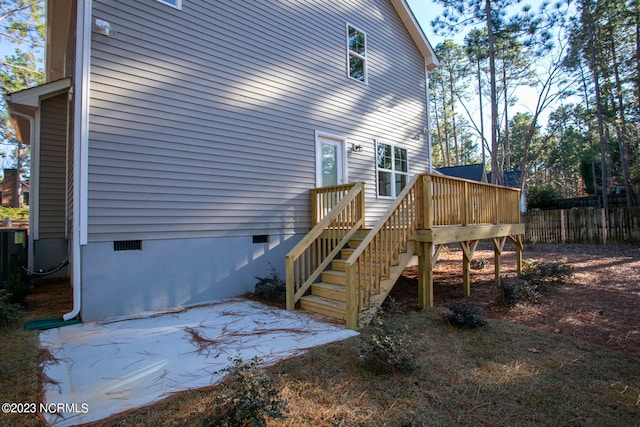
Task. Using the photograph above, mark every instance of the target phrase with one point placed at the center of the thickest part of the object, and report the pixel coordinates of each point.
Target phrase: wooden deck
(343, 270)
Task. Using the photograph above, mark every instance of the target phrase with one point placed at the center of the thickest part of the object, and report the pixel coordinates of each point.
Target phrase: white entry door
(330, 160)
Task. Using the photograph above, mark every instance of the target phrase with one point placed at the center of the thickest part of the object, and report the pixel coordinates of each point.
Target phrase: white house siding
(53, 163)
(202, 120)
(51, 248)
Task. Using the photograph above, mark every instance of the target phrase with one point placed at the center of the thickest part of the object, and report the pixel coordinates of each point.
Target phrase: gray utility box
(13, 251)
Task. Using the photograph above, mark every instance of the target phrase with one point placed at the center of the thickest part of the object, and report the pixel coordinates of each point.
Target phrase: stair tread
(329, 285)
(325, 301)
(336, 272)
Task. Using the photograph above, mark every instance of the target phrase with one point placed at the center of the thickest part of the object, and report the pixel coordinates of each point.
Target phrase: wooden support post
(498, 245)
(362, 204)
(314, 208)
(517, 241)
(466, 273)
(519, 248)
(289, 277)
(351, 295)
(468, 249)
(425, 275)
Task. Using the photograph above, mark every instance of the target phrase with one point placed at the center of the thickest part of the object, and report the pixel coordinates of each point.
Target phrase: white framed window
(356, 54)
(392, 169)
(173, 3)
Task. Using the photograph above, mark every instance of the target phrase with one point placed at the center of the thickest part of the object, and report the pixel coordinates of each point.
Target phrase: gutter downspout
(80, 156)
(32, 139)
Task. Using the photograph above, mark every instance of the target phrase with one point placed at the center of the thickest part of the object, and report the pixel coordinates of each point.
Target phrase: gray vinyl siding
(202, 120)
(53, 167)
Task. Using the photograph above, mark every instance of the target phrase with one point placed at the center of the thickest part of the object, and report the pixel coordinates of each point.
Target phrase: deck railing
(335, 226)
(462, 202)
(324, 199)
(428, 201)
(371, 262)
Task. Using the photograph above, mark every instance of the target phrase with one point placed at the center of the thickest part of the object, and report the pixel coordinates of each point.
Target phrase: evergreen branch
(8, 64)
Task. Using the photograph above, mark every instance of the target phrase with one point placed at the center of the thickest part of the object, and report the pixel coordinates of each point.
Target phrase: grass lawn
(499, 375)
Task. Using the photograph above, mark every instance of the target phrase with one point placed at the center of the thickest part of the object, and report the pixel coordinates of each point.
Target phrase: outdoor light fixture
(356, 148)
(103, 27)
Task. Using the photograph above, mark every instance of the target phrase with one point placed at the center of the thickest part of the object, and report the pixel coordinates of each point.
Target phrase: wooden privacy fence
(619, 225)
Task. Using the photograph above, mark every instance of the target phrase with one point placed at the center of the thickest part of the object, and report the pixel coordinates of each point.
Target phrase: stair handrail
(356, 280)
(306, 261)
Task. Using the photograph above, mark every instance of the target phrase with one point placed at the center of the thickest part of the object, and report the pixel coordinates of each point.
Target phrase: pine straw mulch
(600, 304)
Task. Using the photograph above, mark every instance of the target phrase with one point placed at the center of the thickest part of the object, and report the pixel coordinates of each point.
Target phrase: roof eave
(31, 97)
(415, 31)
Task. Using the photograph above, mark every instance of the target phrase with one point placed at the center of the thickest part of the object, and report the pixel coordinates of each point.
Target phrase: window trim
(178, 4)
(392, 171)
(364, 57)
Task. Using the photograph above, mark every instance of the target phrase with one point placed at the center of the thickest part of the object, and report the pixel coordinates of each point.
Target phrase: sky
(426, 11)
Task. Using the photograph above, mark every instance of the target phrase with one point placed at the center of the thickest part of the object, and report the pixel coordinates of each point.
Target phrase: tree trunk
(482, 139)
(18, 199)
(596, 83)
(507, 148)
(453, 121)
(445, 125)
(621, 130)
(495, 178)
(594, 175)
(439, 130)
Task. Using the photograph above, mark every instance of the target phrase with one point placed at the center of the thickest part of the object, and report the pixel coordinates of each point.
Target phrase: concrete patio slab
(100, 369)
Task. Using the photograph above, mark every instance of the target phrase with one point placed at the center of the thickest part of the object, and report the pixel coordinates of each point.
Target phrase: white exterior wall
(52, 247)
(202, 127)
(174, 273)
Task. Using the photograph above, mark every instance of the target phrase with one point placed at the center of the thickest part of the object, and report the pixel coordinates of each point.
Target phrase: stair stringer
(387, 284)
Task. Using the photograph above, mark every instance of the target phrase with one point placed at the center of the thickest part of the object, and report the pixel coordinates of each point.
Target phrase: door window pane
(330, 160)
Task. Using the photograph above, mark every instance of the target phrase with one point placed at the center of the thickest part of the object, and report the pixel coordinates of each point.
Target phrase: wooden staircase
(329, 296)
(342, 270)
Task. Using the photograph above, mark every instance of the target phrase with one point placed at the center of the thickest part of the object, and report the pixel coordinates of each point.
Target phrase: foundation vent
(263, 238)
(127, 245)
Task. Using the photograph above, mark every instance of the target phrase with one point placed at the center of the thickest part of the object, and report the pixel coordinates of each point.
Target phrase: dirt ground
(600, 304)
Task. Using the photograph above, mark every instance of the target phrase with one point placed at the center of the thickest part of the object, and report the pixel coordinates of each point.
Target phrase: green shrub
(14, 213)
(514, 291)
(17, 285)
(464, 315)
(271, 288)
(384, 349)
(546, 273)
(537, 279)
(9, 312)
(542, 197)
(248, 397)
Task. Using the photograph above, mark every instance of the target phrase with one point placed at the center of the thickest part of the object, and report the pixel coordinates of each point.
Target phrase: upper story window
(392, 168)
(174, 3)
(357, 54)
